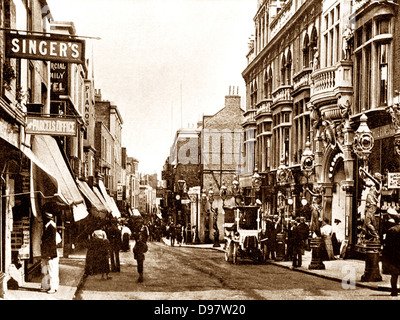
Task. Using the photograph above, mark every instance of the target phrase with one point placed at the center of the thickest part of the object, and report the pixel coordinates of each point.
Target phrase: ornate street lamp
(317, 244)
(362, 146)
(363, 141)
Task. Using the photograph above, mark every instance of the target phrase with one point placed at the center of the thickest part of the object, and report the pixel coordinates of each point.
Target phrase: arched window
(289, 68)
(283, 70)
(266, 84)
(306, 51)
(253, 93)
(269, 83)
(313, 43)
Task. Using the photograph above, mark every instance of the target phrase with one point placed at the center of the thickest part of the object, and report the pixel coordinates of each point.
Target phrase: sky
(163, 63)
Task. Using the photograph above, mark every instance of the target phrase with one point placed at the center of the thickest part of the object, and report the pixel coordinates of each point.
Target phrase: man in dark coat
(391, 255)
(300, 234)
(139, 250)
(114, 237)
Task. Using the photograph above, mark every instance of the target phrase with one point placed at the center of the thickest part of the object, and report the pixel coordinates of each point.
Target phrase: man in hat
(50, 260)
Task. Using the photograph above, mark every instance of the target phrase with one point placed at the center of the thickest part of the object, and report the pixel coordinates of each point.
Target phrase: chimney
(233, 100)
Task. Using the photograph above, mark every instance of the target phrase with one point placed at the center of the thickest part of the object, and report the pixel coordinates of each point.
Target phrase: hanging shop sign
(393, 179)
(48, 48)
(59, 79)
(51, 126)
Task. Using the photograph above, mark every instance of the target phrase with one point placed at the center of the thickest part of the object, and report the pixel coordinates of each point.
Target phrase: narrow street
(183, 273)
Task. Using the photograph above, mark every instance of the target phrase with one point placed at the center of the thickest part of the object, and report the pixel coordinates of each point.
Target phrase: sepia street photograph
(194, 157)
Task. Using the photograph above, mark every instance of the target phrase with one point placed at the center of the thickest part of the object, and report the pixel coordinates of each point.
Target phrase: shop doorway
(338, 202)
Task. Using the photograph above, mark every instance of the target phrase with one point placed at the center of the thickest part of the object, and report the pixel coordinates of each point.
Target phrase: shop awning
(48, 154)
(101, 198)
(100, 210)
(111, 204)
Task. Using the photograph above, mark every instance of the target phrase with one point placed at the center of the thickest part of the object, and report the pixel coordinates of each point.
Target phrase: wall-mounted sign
(393, 180)
(51, 126)
(52, 48)
(59, 79)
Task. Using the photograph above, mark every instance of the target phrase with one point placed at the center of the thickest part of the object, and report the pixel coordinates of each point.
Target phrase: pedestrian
(172, 233)
(300, 235)
(100, 249)
(336, 238)
(271, 240)
(114, 237)
(179, 238)
(391, 255)
(50, 260)
(326, 233)
(139, 250)
(125, 236)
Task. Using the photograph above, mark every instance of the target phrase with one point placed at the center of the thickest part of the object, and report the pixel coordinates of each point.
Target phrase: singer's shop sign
(51, 48)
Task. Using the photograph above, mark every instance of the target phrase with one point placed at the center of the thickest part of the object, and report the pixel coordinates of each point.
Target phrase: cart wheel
(235, 254)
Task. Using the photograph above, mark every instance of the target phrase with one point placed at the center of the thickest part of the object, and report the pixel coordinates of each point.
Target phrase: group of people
(180, 234)
(106, 239)
(106, 242)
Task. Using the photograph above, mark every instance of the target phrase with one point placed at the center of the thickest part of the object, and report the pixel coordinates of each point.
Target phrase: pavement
(72, 274)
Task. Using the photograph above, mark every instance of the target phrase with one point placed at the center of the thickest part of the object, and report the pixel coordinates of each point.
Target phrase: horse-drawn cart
(243, 234)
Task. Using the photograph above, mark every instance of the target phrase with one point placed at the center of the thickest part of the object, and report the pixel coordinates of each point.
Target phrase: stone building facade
(314, 69)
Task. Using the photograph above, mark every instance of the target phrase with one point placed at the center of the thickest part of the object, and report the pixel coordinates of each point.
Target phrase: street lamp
(317, 244)
(362, 146)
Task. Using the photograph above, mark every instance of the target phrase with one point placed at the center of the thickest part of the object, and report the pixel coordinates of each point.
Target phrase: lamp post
(316, 243)
(362, 146)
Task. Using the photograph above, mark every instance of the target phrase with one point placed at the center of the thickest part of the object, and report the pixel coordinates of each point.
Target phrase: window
(270, 83)
(372, 64)
(253, 94)
(383, 26)
(332, 37)
(289, 68)
(383, 73)
(306, 52)
(283, 70)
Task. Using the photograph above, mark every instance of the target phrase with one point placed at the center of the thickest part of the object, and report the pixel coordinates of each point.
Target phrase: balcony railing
(302, 79)
(249, 116)
(324, 79)
(282, 94)
(264, 107)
